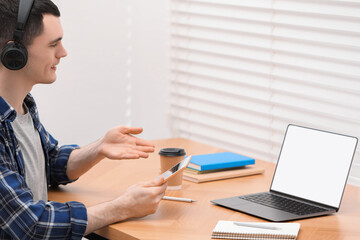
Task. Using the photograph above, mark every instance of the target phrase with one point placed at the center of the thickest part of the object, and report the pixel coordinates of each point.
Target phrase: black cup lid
(172, 152)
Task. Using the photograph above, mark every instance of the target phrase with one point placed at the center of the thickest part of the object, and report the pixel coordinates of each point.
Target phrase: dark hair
(34, 26)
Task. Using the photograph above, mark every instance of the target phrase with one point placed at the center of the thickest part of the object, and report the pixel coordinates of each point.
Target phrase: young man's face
(45, 52)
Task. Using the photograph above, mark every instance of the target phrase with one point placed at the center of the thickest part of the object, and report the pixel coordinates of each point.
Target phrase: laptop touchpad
(231, 202)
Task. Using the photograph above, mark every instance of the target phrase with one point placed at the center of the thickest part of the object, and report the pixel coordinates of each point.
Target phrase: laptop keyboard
(282, 203)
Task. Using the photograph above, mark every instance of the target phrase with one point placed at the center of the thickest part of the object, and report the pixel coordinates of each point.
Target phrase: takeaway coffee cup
(168, 158)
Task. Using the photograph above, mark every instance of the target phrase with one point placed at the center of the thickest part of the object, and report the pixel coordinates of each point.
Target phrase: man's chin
(48, 81)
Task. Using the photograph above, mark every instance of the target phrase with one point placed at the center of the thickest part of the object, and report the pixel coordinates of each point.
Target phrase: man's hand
(139, 200)
(119, 143)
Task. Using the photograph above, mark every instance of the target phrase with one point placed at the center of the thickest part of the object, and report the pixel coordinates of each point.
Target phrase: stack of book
(217, 166)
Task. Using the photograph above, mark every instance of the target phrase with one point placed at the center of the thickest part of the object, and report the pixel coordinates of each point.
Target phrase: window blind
(242, 70)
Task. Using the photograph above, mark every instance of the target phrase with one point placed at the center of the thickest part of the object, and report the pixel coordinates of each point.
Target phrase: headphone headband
(23, 15)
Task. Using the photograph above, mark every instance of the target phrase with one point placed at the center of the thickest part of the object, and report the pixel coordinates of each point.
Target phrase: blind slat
(297, 93)
(191, 128)
(241, 116)
(261, 78)
(340, 54)
(269, 27)
(259, 57)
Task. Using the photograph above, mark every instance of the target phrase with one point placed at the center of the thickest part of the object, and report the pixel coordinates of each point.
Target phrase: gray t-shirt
(30, 144)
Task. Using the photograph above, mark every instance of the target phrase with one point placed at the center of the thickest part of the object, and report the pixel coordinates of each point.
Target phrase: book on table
(194, 171)
(222, 174)
(216, 161)
(218, 166)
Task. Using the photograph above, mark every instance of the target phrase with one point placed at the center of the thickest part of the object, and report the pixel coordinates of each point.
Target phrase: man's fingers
(136, 130)
(130, 130)
(129, 156)
(158, 182)
(144, 149)
(134, 154)
(143, 142)
(141, 154)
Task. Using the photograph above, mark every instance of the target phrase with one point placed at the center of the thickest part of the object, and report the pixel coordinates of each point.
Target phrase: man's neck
(13, 89)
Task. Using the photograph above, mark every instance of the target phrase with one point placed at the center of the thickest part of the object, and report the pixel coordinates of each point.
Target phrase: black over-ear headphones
(14, 55)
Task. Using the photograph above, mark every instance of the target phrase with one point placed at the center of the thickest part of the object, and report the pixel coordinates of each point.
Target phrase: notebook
(220, 175)
(222, 160)
(255, 230)
(310, 174)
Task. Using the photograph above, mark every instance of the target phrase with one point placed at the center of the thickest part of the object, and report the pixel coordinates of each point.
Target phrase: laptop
(309, 179)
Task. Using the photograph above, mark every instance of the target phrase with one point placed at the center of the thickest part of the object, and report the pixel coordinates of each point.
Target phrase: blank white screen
(314, 165)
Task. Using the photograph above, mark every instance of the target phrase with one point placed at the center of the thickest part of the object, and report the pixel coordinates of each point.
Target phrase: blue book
(221, 160)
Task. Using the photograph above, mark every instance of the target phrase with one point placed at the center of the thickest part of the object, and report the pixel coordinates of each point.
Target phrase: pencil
(178, 199)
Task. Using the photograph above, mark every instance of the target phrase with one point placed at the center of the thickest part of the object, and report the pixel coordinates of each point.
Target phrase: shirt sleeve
(22, 218)
(57, 158)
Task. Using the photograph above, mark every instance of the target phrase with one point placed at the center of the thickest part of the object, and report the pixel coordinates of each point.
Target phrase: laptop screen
(314, 165)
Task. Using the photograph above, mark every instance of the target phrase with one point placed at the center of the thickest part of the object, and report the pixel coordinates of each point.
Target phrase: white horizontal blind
(242, 70)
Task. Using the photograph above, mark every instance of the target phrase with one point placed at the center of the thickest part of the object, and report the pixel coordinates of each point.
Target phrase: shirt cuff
(58, 171)
(78, 218)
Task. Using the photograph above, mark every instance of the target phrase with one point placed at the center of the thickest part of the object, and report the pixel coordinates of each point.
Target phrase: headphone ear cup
(14, 56)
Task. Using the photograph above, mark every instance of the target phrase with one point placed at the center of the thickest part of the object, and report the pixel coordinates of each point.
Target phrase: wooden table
(185, 221)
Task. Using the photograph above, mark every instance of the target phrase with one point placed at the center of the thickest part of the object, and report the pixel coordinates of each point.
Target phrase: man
(30, 159)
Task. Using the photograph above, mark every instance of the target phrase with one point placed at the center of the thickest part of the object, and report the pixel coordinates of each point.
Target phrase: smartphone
(176, 169)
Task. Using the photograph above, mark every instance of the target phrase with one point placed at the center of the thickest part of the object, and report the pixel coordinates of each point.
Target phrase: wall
(115, 72)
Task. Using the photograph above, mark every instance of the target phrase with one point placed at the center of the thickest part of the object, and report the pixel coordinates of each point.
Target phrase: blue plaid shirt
(20, 216)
